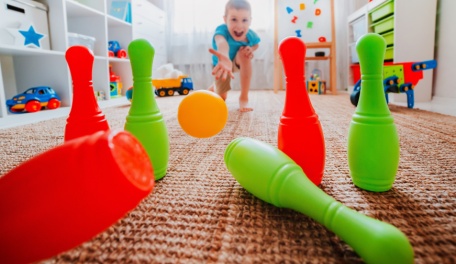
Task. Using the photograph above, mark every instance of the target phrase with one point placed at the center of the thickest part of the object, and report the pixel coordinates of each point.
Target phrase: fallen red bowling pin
(300, 134)
(68, 194)
(85, 116)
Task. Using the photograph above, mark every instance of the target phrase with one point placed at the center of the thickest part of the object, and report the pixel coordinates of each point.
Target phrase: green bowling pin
(144, 120)
(373, 142)
(272, 176)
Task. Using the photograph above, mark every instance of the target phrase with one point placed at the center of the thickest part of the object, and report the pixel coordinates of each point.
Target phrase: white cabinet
(411, 37)
(24, 67)
(149, 23)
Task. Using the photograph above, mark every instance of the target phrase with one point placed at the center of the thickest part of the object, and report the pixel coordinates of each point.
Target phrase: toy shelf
(408, 27)
(24, 67)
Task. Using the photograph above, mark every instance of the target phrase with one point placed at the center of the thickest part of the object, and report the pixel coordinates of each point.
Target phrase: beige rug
(198, 213)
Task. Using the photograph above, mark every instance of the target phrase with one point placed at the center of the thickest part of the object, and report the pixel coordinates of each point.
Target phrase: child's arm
(224, 66)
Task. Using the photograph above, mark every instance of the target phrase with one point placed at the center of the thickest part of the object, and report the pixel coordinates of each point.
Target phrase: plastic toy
(397, 78)
(100, 95)
(33, 100)
(129, 94)
(373, 141)
(300, 135)
(202, 114)
(115, 83)
(85, 116)
(67, 195)
(115, 50)
(166, 87)
(316, 85)
(144, 120)
(272, 176)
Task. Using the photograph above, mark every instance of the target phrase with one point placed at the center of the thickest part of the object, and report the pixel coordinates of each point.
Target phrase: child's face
(238, 22)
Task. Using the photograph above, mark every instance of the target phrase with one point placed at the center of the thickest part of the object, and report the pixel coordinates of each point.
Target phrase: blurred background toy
(33, 100)
(115, 50)
(115, 83)
(168, 80)
(129, 93)
(316, 85)
(399, 77)
(167, 87)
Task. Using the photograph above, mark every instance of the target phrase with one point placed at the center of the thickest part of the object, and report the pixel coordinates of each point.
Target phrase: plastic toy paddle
(373, 142)
(202, 114)
(144, 120)
(300, 135)
(272, 176)
(67, 195)
(85, 116)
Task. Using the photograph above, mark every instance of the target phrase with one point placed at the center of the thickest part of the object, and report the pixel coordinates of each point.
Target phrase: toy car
(34, 99)
(115, 49)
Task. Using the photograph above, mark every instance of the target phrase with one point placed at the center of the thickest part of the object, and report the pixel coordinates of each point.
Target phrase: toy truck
(167, 87)
(398, 78)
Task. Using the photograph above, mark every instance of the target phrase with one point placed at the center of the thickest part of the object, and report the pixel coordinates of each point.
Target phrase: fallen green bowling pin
(272, 176)
(373, 142)
(144, 120)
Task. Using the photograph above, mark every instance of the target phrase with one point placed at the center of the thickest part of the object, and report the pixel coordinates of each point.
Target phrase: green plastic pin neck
(372, 103)
(141, 54)
(371, 52)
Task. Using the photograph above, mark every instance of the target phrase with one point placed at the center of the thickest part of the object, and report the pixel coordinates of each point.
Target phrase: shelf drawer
(389, 53)
(382, 11)
(384, 25)
(389, 38)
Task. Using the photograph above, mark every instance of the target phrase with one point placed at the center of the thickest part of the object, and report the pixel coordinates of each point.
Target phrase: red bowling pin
(300, 135)
(68, 194)
(85, 116)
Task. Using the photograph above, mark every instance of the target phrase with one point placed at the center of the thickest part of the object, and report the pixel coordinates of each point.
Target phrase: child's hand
(247, 51)
(224, 66)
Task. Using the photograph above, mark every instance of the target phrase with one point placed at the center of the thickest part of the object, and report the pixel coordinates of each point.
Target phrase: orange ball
(202, 114)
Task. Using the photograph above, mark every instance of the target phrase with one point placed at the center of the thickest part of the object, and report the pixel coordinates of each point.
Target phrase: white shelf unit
(414, 37)
(22, 67)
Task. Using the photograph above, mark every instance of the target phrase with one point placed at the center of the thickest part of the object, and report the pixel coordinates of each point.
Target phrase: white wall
(342, 10)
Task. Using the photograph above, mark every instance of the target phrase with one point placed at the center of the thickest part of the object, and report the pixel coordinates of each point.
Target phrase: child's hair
(237, 4)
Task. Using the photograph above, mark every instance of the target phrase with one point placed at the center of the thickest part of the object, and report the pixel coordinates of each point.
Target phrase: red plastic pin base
(67, 195)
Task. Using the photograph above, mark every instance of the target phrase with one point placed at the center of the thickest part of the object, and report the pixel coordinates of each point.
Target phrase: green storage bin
(389, 38)
(382, 11)
(389, 53)
(384, 25)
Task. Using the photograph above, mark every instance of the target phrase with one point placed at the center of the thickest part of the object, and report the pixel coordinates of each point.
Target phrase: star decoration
(31, 37)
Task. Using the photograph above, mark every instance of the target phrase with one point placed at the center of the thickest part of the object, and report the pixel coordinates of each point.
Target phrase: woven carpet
(198, 213)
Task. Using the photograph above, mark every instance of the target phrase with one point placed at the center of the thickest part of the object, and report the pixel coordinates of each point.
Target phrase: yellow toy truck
(166, 87)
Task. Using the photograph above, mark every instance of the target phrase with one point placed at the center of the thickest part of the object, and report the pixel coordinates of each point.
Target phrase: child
(233, 46)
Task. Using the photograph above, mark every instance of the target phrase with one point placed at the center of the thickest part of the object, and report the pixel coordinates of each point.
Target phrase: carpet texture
(198, 213)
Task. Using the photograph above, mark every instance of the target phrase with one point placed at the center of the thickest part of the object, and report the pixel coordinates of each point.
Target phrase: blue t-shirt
(252, 40)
